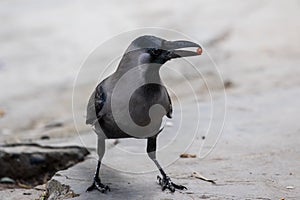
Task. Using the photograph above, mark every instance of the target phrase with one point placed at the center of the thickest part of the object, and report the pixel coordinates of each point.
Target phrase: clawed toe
(179, 187)
(98, 186)
(166, 183)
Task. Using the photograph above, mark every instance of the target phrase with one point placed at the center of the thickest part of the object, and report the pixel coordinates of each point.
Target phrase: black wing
(95, 105)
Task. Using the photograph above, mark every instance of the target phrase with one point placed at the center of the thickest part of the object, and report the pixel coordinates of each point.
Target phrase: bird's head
(149, 49)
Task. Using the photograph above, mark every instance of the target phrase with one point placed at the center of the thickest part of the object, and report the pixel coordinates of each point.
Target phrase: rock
(33, 164)
(58, 191)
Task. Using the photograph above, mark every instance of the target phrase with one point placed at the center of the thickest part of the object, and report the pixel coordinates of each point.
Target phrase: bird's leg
(97, 182)
(164, 181)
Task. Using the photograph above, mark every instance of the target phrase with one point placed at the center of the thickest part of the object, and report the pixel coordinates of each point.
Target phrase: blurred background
(254, 44)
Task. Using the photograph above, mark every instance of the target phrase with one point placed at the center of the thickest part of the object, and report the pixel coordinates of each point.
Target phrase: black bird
(132, 101)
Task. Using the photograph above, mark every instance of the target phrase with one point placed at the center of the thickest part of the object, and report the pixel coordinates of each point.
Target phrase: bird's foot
(166, 183)
(98, 186)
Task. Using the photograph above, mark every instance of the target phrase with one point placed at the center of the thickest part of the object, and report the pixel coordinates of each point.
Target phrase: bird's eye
(155, 52)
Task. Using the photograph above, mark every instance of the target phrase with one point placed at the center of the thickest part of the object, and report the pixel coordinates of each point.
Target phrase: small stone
(228, 84)
(36, 159)
(187, 155)
(290, 187)
(7, 180)
(45, 137)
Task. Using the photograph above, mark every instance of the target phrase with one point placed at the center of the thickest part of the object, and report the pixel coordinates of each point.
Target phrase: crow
(132, 101)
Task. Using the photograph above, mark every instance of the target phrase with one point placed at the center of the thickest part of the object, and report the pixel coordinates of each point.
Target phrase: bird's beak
(175, 49)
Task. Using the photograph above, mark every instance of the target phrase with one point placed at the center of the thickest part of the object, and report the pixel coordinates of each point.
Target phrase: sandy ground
(255, 45)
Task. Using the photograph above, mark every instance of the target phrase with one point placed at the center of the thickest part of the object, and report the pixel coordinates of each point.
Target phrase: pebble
(36, 159)
(45, 137)
(290, 187)
(7, 180)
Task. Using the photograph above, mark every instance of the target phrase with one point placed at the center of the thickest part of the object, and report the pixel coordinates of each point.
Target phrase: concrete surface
(17, 194)
(260, 162)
